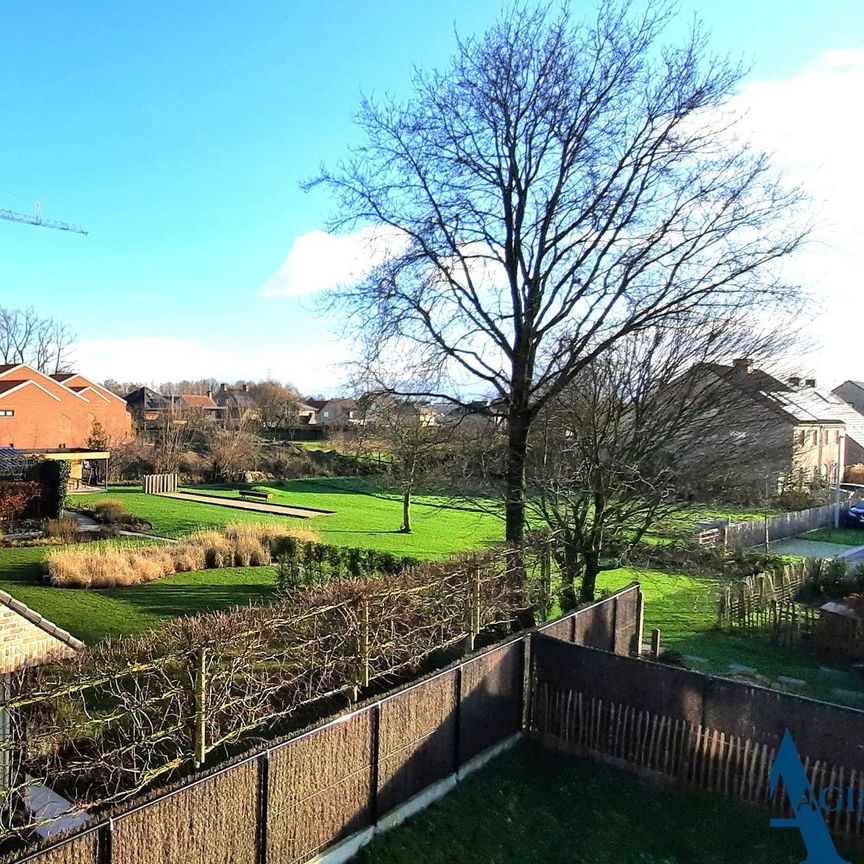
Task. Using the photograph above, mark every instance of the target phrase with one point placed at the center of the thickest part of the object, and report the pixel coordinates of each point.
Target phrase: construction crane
(36, 219)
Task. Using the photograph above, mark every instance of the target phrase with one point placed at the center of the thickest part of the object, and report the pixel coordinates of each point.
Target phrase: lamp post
(841, 440)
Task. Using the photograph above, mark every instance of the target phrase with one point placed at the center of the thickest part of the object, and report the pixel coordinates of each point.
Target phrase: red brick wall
(43, 421)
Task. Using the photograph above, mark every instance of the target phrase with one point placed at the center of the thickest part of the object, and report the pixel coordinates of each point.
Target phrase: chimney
(743, 363)
(245, 388)
(209, 394)
(809, 382)
(223, 387)
(794, 381)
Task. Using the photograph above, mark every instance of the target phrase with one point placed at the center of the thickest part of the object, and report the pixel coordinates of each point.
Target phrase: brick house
(200, 405)
(147, 407)
(238, 406)
(54, 415)
(852, 393)
(39, 411)
(794, 431)
(340, 414)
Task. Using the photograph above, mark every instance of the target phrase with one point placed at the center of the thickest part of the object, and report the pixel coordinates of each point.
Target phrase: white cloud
(319, 261)
(312, 369)
(812, 124)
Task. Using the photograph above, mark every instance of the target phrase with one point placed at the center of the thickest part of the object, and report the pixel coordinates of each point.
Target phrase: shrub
(111, 510)
(64, 529)
(68, 569)
(53, 477)
(302, 561)
(18, 498)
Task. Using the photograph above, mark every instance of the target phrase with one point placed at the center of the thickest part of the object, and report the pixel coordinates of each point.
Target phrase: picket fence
(704, 732)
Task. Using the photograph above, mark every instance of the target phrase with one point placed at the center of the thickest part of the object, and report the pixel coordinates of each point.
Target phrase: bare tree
(557, 188)
(637, 435)
(415, 443)
(26, 337)
(278, 404)
(233, 451)
(171, 442)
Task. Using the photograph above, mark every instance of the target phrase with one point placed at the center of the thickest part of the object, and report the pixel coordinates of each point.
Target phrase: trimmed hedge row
(303, 564)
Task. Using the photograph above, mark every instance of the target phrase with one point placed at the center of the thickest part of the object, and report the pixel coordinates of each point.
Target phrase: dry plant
(241, 545)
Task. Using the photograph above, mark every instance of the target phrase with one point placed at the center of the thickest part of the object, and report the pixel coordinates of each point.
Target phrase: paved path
(253, 506)
(89, 524)
(817, 549)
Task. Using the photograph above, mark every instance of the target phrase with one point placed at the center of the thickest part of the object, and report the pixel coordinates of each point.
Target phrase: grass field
(844, 536)
(362, 517)
(684, 609)
(531, 805)
(93, 615)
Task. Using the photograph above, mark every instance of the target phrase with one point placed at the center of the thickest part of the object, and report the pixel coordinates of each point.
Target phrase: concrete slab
(809, 548)
(791, 682)
(854, 697)
(242, 504)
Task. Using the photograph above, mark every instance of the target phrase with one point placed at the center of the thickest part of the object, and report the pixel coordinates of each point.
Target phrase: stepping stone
(791, 682)
(740, 668)
(834, 673)
(694, 658)
(855, 696)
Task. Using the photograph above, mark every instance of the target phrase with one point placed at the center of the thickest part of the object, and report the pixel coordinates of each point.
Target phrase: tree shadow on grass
(168, 601)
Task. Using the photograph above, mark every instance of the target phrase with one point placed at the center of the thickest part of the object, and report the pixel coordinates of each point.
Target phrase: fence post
(364, 644)
(472, 607)
(457, 722)
(263, 804)
(640, 621)
(105, 842)
(545, 582)
(200, 740)
(655, 644)
(374, 754)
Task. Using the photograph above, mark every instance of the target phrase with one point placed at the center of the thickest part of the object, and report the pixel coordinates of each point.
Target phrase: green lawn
(362, 516)
(532, 805)
(361, 519)
(844, 536)
(684, 609)
(92, 615)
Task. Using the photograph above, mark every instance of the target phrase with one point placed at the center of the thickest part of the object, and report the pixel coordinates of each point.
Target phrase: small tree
(414, 441)
(233, 451)
(171, 442)
(278, 404)
(624, 447)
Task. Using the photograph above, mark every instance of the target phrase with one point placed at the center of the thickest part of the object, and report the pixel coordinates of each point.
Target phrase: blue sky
(178, 133)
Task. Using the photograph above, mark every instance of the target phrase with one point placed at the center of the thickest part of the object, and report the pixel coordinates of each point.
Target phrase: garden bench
(254, 493)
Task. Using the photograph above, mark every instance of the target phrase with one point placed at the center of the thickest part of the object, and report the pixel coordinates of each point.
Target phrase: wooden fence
(759, 532)
(298, 798)
(746, 603)
(704, 732)
(158, 484)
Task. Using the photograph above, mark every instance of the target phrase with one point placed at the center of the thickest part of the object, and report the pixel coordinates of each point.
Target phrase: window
(7, 412)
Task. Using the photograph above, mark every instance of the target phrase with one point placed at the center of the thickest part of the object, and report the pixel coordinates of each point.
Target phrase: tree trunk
(589, 578)
(514, 506)
(406, 511)
(570, 565)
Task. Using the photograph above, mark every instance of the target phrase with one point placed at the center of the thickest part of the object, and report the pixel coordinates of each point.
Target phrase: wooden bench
(255, 494)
